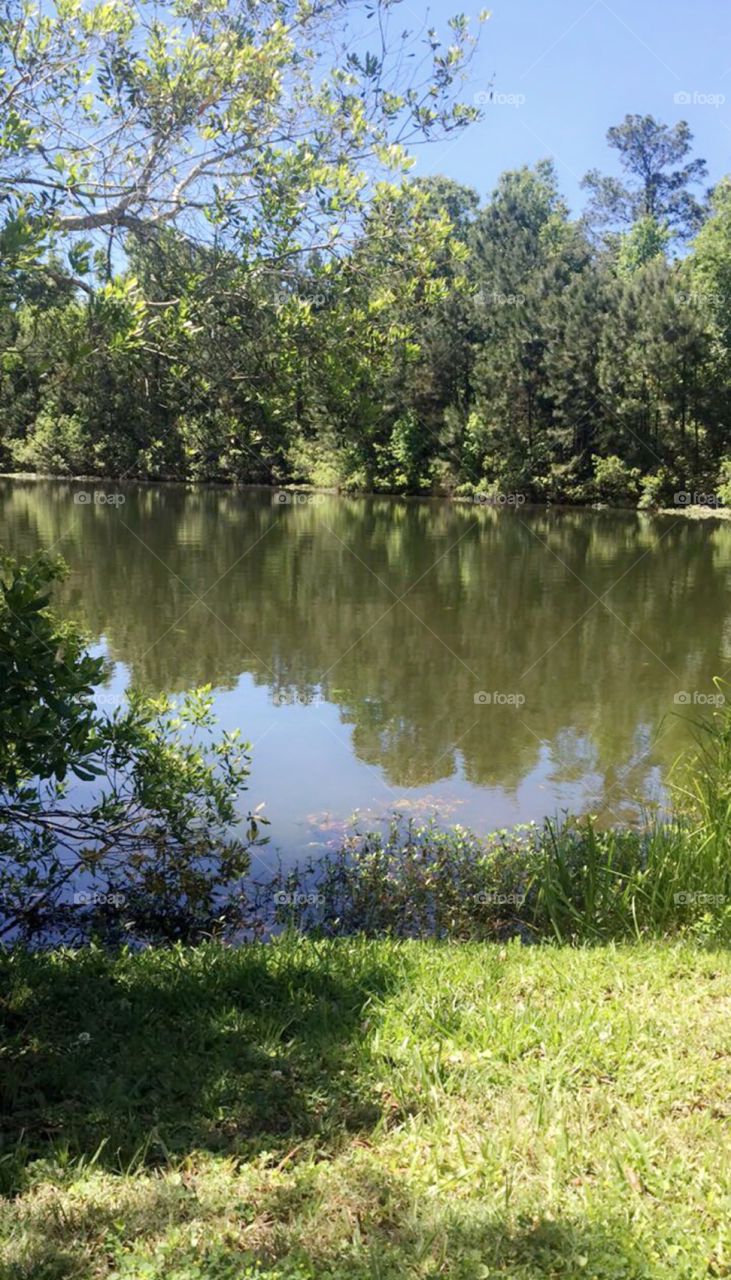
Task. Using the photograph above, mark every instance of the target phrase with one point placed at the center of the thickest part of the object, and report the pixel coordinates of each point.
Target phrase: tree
(710, 276)
(523, 247)
(655, 159)
(652, 371)
(646, 240)
(152, 847)
(252, 124)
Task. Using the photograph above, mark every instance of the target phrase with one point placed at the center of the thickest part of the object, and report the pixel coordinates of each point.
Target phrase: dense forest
(205, 274)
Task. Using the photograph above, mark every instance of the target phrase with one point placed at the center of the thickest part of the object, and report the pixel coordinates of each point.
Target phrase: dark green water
(348, 638)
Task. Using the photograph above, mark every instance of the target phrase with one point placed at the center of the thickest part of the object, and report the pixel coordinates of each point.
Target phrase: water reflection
(349, 638)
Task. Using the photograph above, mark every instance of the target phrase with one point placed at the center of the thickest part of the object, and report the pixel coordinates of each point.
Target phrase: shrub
(615, 482)
(723, 488)
(56, 443)
(656, 489)
(409, 449)
(567, 882)
(153, 849)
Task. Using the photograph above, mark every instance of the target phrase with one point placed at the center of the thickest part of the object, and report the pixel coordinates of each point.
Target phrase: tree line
(215, 266)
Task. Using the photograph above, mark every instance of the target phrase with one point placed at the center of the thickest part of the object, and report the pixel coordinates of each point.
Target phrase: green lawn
(368, 1109)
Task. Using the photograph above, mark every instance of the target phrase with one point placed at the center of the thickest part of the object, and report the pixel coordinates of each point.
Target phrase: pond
(488, 666)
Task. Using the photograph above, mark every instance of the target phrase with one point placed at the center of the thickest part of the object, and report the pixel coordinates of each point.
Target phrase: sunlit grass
(368, 1109)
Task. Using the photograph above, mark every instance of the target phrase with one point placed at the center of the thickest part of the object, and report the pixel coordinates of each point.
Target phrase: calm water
(350, 638)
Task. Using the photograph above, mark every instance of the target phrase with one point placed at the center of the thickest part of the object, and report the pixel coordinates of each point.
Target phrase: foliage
(149, 843)
(654, 191)
(724, 483)
(646, 240)
(254, 126)
(56, 445)
(615, 482)
(572, 882)
(656, 489)
(438, 344)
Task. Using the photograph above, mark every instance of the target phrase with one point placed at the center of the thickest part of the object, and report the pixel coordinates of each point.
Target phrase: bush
(153, 848)
(568, 883)
(723, 488)
(316, 461)
(57, 444)
(409, 461)
(656, 489)
(615, 482)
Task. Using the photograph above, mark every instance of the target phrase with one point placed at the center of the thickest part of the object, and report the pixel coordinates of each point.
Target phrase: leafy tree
(438, 345)
(658, 172)
(256, 125)
(645, 241)
(709, 279)
(151, 848)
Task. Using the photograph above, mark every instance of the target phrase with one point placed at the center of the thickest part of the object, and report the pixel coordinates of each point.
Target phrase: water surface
(360, 643)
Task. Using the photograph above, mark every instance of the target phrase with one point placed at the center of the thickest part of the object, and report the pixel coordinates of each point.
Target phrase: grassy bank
(350, 1109)
(549, 883)
(559, 882)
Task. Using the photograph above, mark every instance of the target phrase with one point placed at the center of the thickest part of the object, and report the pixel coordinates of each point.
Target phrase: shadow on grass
(375, 1229)
(149, 1056)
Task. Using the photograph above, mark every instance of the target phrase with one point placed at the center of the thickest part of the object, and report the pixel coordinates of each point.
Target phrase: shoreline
(692, 512)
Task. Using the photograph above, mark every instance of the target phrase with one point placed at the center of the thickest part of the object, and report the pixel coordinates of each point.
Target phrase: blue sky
(563, 73)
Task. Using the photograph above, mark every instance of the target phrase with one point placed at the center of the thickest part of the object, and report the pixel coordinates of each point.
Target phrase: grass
(409, 1099)
(566, 882)
(354, 1108)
